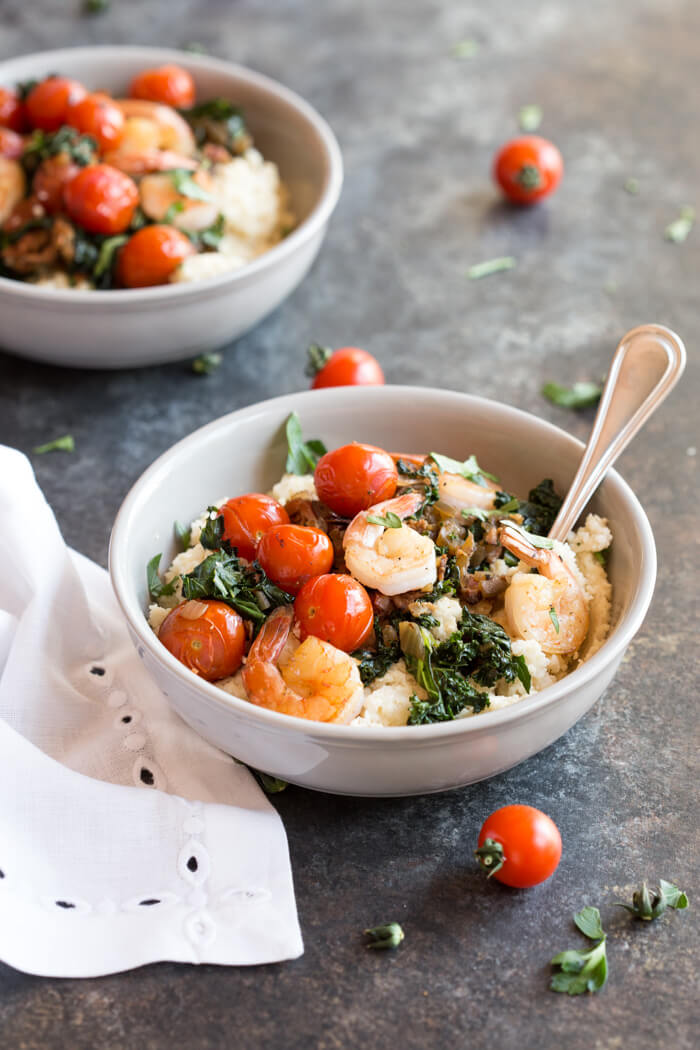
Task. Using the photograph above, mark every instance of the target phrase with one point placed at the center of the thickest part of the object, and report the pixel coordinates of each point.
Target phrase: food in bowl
(154, 188)
(383, 589)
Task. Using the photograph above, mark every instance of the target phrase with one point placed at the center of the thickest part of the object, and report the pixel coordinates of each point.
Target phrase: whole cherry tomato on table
(292, 554)
(336, 609)
(519, 845)
(11, 144)
(99, 116)
(101, 199)
(247, 518)
(355, 477)
(349, 366)
(47, 103)
(528, 168)
(151, 255)
(171, 85)
(206, 636)
(50, 180)
(12, 113)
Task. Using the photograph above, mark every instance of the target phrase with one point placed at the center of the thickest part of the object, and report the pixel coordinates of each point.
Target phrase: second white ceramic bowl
(124, 328)
(245, 451)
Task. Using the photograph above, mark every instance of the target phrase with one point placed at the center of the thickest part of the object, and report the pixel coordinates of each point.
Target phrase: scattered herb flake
(601, 556)
(631, 186)
(156, 587)
(107, 255)
(95, 7)
(554, 618)
(579, 395)
(650, 904)
(272, 785)
(388, 520)
(302, 456)
(490, 266)
(530, 117)
(678, 230)
(467, 48)
(205, 364)
(187, 187)
(468, 468)
(388, 936)
(62, 444)
(532, 537)
(182, 533)
(538, 511)
(581, 971)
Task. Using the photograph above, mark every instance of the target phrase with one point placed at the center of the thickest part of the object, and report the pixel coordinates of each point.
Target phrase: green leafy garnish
(246, 588)
(426, 475)
(601, 556)
(82, 149)
(510, 507)
(580, 395)
(530, 117)
(156, 588)
(388, 520)
(466, 48)
(468, 469)
(376, 662)
(650, 904)
(631, 186)
(532, 538)
(490, 266)
(317, 357)
(583, 971)
(388, 936)
(678, 230)
(186, 186)
(302, 456)
(272, 785)
(183, 534)
(95, 7)
(107, 255)
(205, 364)
(211, 236)
(174, 209)
(217, 120)
(554, 618)
(62, 444)
(538, 511)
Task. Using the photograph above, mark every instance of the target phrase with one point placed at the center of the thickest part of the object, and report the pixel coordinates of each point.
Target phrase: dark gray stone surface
(618, 85)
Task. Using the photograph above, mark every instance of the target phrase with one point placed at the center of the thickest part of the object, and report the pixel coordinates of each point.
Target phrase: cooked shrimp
(392, 560)
(549, 607)
(13, 186)
(155, 138)
(459, 493)
(319, 682)
(158, 196)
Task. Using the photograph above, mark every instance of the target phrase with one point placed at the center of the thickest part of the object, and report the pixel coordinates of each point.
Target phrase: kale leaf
(224, 576)
(82, 149)
(217, 120)
(539, 510)
(425, 474)
(376, 662)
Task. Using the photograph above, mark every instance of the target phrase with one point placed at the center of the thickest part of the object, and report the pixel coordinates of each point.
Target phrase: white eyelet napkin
(124, 837)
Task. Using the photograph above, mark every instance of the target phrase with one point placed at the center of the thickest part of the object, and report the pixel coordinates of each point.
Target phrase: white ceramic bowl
(245, 451)
(124, 328)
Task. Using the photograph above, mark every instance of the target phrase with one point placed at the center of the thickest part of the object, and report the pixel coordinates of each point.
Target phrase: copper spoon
(647, 364)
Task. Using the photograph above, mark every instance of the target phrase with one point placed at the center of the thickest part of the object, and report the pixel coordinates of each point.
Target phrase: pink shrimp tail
(272, 637)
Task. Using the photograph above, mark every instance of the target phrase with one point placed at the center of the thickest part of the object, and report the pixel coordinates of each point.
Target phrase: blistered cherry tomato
(292, 554)
(349, 366)
(355, 477)
(171, 85)
(47, 104)
(206, 636)
(247, 519)
(528, 168)
(99, 116)
(336, 609)
(151, 255)
(12, 113)
(11, 144)
(50, 180)
(525, 843)
(101, 199)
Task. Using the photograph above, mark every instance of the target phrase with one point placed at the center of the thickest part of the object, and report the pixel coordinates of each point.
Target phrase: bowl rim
(300, 235)
(612, 648)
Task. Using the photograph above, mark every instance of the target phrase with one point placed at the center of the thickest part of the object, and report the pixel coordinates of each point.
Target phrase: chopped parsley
(468, 469)
(183, 534)
(388, 936)
(82, 149)
(156, 588)
(530, 117)
(579, 395)
(205, 364)
(554, 618)
(388, 520)
(490, 266)
(246, 588)
(106, 255)
(187, 187)
(62, 444)
(581, 971)
(302, 456)
(678, 230)
(631, 186)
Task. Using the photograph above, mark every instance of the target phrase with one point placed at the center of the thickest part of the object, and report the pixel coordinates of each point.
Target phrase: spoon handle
(647, 364)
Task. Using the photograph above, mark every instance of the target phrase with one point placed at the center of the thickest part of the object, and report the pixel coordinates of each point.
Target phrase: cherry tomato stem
(528, 168)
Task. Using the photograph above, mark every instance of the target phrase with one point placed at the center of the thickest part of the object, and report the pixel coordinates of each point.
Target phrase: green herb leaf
(538, 511)
(174, 209)
(580, 395)
(426, 478)
(467, 48)
(224, 576)
(672, 896)
(536, 541)
(678, 230)
(218, 120)
(468, 469)
(62, 444)
(601, 556)
(374, 663)
(388, 520)
(490, 266)
(82, 149)
(183, 534)
(530, 117)
(583, 971)
(95, 7)
(631, 186)
(317, 357)
(302, 456)
(205, 364)
(107, 254)
(523, 672)
(554, 618)
(186, 186)
(272, 785)
(388, 936)
(156, 588)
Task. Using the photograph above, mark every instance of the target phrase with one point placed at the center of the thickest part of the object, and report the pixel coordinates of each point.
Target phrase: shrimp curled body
(319, 682)
(549, 606)
(391, 560)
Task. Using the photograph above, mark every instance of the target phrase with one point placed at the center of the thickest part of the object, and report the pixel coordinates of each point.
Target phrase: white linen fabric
(124, 837)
